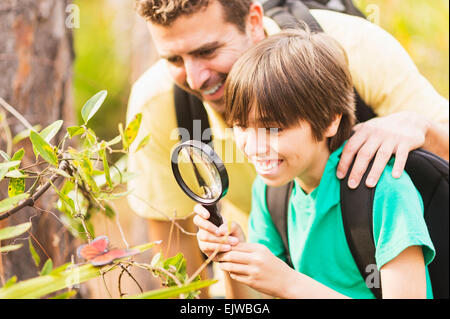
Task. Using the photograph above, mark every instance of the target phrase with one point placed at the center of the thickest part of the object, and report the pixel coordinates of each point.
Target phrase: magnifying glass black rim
(215, 160)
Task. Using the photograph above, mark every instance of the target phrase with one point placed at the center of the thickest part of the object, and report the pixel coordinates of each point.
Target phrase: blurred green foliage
(103, 59)
(100, 63)
(422, 27)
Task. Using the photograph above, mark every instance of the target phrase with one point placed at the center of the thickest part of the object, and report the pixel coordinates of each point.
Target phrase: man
(199, 41)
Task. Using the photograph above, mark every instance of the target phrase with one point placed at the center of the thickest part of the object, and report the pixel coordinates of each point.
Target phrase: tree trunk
(36, 57)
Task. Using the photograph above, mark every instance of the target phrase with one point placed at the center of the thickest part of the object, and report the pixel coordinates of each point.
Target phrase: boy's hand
(211, 238)
(255, 265)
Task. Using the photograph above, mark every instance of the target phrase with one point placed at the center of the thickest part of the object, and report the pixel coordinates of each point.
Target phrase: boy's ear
(334, 126)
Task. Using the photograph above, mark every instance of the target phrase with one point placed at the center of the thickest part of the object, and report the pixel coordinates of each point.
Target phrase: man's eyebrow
(204, 47)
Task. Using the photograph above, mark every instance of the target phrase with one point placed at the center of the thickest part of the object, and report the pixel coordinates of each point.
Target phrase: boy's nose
(256, 143)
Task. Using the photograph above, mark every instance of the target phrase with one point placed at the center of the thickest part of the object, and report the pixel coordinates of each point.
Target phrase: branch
(13, 111)
(31, 200)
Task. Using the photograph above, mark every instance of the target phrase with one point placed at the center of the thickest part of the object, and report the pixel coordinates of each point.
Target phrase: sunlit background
(113, 48)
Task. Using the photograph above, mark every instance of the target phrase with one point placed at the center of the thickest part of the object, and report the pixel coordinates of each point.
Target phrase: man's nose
(196, 74)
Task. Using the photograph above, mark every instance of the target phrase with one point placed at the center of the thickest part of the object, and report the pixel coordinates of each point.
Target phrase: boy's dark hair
(292, 76)
(165, 12)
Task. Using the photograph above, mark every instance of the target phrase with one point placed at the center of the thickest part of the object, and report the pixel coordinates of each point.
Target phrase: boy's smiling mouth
(267, 166)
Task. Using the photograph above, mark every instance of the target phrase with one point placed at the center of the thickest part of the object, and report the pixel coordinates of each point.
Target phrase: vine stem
(14, 112)
(31, 200)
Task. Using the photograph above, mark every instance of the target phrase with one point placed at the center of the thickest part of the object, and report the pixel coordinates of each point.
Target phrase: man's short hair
(165, 12)
(290, 77)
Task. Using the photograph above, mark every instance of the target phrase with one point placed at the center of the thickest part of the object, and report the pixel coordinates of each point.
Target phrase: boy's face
(281, 155)
(201, 49)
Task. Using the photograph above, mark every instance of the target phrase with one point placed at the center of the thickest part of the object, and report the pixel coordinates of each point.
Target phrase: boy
(299, 83)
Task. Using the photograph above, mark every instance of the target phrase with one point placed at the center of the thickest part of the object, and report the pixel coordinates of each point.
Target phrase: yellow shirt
(383, 74)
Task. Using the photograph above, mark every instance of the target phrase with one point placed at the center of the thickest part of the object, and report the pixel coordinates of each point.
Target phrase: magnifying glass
(201, 174)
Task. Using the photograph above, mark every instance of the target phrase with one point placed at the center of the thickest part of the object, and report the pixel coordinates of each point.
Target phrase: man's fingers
(401, 155)
(363, 158)
(384, 153)
(348, 153)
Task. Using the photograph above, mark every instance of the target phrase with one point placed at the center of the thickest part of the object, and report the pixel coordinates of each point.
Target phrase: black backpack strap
(357, 217)
(277, 199)
(429, 174)
(189, 108)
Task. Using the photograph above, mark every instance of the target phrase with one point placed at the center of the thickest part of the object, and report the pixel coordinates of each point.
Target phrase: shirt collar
(327, 194)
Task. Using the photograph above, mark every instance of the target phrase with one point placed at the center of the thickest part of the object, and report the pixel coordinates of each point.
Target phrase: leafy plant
(90, 182)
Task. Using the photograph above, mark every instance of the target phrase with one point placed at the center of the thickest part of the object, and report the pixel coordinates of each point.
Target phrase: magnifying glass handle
(214, 215)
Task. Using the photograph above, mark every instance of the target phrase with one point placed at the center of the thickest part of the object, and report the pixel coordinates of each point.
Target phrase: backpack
(428, 172)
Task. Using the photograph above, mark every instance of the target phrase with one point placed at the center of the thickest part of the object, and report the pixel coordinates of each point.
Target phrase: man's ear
(255, 25)
(333, 127)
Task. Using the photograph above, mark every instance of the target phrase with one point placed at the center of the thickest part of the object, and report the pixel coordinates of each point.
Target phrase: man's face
(201, 49)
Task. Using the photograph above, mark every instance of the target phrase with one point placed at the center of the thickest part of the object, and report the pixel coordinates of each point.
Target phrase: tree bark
(36, 56)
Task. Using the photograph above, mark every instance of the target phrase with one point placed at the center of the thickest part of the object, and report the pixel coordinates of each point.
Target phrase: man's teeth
(213, 90)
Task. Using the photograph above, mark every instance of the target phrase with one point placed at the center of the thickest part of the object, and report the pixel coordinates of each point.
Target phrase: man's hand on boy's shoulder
(396, 134)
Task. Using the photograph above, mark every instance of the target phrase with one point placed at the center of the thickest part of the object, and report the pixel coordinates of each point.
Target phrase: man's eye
(175, 60)
(205, 53)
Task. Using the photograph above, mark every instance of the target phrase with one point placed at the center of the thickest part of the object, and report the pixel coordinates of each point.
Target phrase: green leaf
(7, 248)
(10, 164)
(125, 144)
(44, 149)
(16, 186)
(14, 231)
(24, 134)
(47, 268)
(109, 212)
(34, 254)
(172, 291)
(65, 295)
(114, 141)
(75, 130)
(143, 142)
(132, 129)
(3, 171)
(18, 155)
(11, 202)
(106, 167)
(92, 105)
(10, 282)
(50, 131)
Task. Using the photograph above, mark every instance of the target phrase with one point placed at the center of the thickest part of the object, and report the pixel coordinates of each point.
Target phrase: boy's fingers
(202, 211)
(234, 268)
(206, 225)
(208, 237)
(209, 248)
(235, 257)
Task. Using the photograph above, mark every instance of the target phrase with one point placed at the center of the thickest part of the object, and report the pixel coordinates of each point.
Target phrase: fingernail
(371, 182)
(352, 183)
(226, 247)
(340, 175)
(233, 240)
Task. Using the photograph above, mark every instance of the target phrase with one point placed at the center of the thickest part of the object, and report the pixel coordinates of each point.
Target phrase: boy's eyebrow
(204, 47)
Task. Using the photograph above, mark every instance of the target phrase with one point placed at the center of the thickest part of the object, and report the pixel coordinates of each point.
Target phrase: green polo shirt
(317, 241)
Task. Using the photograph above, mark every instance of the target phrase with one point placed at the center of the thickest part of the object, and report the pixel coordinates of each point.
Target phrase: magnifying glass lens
(199, 174)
